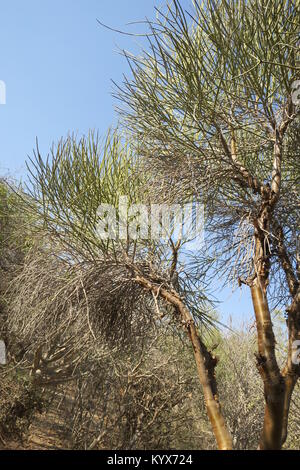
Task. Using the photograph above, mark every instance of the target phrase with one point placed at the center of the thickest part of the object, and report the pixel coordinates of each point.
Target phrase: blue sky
(57, 63)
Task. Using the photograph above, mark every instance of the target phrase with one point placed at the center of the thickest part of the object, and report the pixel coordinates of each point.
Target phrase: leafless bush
(60, 311)
(135, 399)
(19, 400)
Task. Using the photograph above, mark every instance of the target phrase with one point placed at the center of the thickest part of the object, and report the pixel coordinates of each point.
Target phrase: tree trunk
(274, 383)
(290, 382)
(291, 372)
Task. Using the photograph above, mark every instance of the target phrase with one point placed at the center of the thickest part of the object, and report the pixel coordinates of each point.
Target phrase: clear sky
(57, 63)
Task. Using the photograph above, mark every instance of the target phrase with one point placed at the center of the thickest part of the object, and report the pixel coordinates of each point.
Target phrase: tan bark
(223, 437)
(291, 372)
(274, 383)
(290, 382)
(205, 364)
(278, 385)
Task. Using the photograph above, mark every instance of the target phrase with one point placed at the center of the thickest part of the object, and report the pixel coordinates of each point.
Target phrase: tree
(211, 110)
(80, 286)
